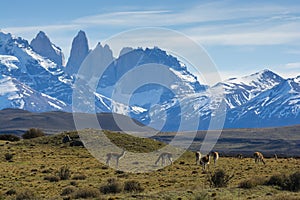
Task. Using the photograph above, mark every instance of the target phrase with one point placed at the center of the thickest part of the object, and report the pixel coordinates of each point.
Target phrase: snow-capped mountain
(174, 74)
(79, 51)
(129, 59)
(14, 94)
(33, 79)
(262, 99)
(279, 106)
(42, 45)
(18, 60)
(239, 91)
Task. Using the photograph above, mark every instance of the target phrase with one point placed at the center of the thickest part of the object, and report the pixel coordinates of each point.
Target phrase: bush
(8, 156)
(52, 178)
(74, 183)
(33, 133)
(133, 186)
(9, 137)
(219, 179)
(202, 196)
(291, 182)
(11, 192)
(251, 183)
(113, 186)
(86, 193)
(64, 173)
(79, 177)
(285, 197)
(277, 180)
(25, 195)
(68, 190)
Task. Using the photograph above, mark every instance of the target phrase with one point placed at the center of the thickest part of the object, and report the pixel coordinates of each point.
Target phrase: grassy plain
(36, 159)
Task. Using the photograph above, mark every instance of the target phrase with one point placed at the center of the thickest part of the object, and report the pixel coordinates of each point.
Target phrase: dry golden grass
(38, 158)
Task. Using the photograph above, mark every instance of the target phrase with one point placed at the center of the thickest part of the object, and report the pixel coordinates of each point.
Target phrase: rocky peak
(79, 51)
(42, 45)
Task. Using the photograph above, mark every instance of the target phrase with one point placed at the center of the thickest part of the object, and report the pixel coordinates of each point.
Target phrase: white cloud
(46, 28)
(287, 70)
(251, 38)
(201, 13)
(217, 23)
(295, 65)
(222, 22)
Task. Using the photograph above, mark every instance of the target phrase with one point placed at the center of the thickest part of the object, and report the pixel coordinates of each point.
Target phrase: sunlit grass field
(35, 161)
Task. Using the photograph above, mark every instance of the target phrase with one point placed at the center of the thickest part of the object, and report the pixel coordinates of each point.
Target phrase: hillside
(36, 163)
(18, 121)
(284, 141)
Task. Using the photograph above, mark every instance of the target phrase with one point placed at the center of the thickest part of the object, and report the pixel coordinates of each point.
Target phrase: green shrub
(219, 178)
(26, 195)
(293, 183)
(11, 192)
(79, 177)
(113, 186)
(277, 180)
(202, 196)
(9, 137)
(33, 133)
(8, 156)
(68, 190)
(86, 193)
(251, 183)
(74, 183)
(64, 173)
(52, 178)
(133, 186)
(285, 197)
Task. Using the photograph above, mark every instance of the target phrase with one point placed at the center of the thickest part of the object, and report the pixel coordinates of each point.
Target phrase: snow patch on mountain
(10, 62)
(14, 94)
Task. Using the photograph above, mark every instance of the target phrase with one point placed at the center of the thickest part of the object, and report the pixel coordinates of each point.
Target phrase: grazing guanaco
(198, 157)
(204, 161)
(258, 157)
(115, 156)
(215, 156)
(240, 156)
(163, 157)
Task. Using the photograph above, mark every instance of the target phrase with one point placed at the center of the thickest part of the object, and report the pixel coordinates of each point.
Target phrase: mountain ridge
(263, 98)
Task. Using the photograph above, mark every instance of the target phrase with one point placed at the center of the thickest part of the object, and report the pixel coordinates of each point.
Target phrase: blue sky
(241, 37)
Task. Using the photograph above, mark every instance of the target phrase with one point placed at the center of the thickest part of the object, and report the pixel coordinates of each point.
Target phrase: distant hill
(284, 141)
(17, 121)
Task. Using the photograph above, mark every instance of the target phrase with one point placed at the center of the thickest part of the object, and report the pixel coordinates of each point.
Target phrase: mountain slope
(263, 99)
(14, 94)
(239, 91)
(19, 61)
(155, 92)
(280, 106)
